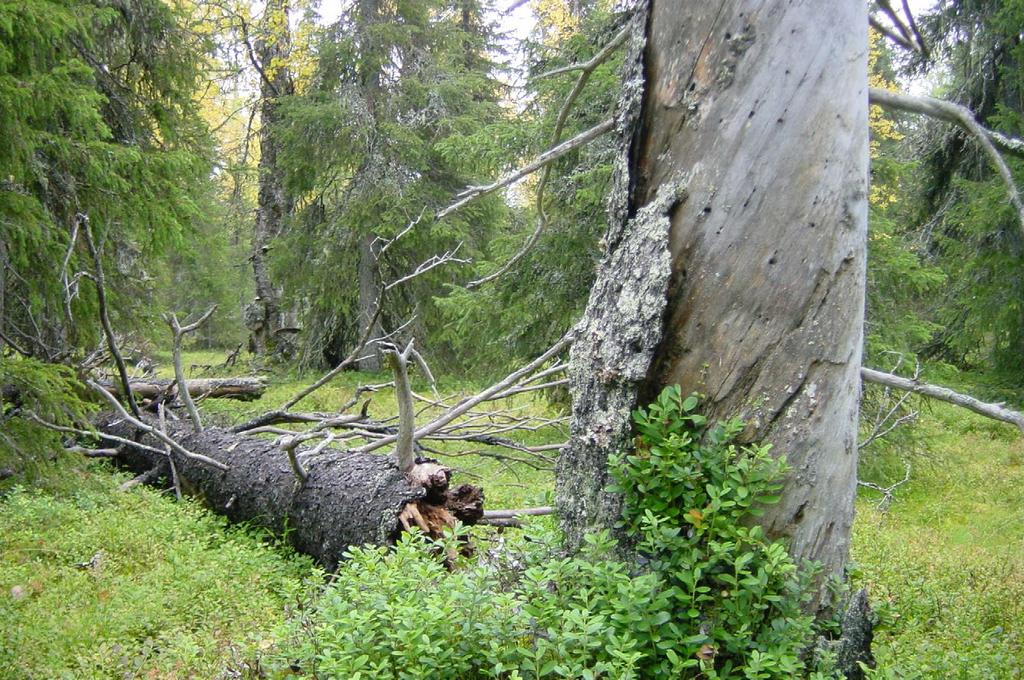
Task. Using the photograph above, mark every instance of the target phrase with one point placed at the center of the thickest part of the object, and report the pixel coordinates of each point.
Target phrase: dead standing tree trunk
(739, 227)
(264, 316)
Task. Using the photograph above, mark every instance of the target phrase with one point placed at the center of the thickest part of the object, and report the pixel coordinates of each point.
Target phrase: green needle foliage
(97, 117)
(530, 306)
(403, 112)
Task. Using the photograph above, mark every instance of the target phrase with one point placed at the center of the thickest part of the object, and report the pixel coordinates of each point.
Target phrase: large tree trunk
(263, 316)
(348, 499)
(736, 253)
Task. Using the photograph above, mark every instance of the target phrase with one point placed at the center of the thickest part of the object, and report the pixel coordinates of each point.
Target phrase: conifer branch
(964, 118)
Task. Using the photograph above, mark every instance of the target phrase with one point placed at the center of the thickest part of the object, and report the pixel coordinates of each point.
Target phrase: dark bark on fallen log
(348, 499)
(245, 389)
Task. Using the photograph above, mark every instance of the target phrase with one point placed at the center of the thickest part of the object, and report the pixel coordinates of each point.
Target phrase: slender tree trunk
(369, 297)
(264, 316)
(370, 66)
(736, 253)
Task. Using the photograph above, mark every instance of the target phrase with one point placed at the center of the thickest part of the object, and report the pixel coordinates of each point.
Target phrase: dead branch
(468, 403)
(179, 332)
(587, 69)
(524, 512)
(886, 491)
(154, 432)
(906, 34)
(427, 265)
(284, 416)
(144, 478)
(243, 388)
(405, 452)
(474, 192)
(944, 110)
(886, 419)
(995, 411)
(964, 118)
(94, 453)
(13, 345)
(70, 286)
(87, 433)
(599, 58)
(288, 445)
(167, 450)
(101, 296)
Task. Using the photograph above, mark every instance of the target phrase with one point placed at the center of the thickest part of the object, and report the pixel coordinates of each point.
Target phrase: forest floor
(95, 582)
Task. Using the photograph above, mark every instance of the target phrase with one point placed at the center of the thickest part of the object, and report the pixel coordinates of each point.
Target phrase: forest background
(256, 158)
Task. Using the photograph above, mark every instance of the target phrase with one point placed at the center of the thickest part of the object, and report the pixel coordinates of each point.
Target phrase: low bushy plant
(708, 596)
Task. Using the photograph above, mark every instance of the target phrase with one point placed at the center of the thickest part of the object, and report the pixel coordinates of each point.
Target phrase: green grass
(174, 593)
(179, 594)
(945, 564)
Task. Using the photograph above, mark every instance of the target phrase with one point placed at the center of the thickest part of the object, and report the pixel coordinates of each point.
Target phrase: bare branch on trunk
(549, 156)
(179, 333)
(405, 449)
(964, 118)
(101, 296)
(155, 432)
(167, 450)
(469, 402)
(997, 411)
(886, 491)
(906, 33)
(587, 69)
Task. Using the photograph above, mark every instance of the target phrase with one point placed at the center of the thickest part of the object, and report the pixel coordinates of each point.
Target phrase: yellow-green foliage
(175, 593)
(946, 563)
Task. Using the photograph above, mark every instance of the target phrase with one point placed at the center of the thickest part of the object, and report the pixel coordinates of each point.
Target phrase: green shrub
(710, 596)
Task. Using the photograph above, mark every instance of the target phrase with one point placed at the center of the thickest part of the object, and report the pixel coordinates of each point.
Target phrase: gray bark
(245, 389)
(369, 298)
(996, 411)
(751, 158)
(273, 205)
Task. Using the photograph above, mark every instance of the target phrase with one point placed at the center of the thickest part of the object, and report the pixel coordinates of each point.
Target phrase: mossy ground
(945, 563)
(179, 594)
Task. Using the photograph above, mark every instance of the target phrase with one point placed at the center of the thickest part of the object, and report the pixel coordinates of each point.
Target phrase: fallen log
(245, 389)
(347, 498)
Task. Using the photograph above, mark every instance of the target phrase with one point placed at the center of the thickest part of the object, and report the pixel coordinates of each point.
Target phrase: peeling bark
(607, 368)
(758, 110)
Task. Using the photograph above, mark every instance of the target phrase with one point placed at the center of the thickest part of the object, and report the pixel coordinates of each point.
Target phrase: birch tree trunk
(736, 252)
